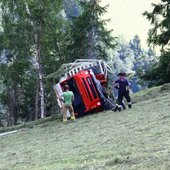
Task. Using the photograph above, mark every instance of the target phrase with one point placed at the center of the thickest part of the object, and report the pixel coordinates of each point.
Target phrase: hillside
(133, 139)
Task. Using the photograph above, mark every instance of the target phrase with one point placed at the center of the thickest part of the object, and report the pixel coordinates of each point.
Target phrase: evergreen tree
(132, 59)
(135, 46)
(159, 35)
(30, 38)
(125, 53)
(72, 8)
(90, 38)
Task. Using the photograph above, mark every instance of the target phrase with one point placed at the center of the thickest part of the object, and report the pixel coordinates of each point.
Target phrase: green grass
(136, 138)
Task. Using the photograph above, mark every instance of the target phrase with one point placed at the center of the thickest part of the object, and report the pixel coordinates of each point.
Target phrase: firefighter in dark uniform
(123, 90)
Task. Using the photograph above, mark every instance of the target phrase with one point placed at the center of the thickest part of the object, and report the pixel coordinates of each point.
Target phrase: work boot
(119, 109)
(115, 109)
(64, 121)
(124, 107)
(73, 118)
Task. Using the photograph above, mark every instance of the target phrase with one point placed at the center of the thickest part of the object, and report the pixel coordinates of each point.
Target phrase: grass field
(137, 138)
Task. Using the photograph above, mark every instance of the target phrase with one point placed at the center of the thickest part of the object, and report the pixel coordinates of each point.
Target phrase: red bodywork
(87, 91)
(86, 95)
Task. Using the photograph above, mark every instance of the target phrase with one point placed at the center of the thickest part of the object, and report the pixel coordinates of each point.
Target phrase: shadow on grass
(117, 161)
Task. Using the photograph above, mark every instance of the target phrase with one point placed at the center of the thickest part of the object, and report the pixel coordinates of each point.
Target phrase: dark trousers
(120, 97)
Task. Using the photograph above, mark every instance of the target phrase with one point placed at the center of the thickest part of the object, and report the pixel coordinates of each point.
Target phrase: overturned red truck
(87, 79)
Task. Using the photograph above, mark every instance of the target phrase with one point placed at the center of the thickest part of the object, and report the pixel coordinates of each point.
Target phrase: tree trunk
(9, 119)
(37, 100)
(40, 76)
(39, 68)
(15, 103)
(12, 106)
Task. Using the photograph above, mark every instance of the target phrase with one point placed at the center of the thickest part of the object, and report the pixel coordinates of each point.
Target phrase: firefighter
(67, 97)
(122, 85)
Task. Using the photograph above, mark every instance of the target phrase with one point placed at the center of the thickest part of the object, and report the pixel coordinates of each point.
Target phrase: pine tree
(29, 40)
(72, 8)
(125, 53)
(159, 35)
(15, 61)
(90, 38)
(135, 45)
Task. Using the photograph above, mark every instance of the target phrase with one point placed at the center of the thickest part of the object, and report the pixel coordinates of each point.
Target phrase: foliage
(72, 8)
(159, 35)
(23, 22)
(129, 57)
(160, 74)
(90, 38)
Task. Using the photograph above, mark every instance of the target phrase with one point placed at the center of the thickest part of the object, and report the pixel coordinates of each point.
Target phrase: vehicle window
(96, 70)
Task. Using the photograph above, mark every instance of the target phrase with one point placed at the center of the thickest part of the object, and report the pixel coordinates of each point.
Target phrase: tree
(15, 61)
(159, 35)
(29, 39)
(72, 8)
(129, 57)
(135, 45)
(138, 52)
(125, 56)
(13, 73)
(90, 38)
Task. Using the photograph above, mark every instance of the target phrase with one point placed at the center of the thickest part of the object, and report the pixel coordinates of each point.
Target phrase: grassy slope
(133, 139)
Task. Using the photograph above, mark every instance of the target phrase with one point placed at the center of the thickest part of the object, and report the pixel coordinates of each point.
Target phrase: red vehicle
(99, 68)
(87, 82)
